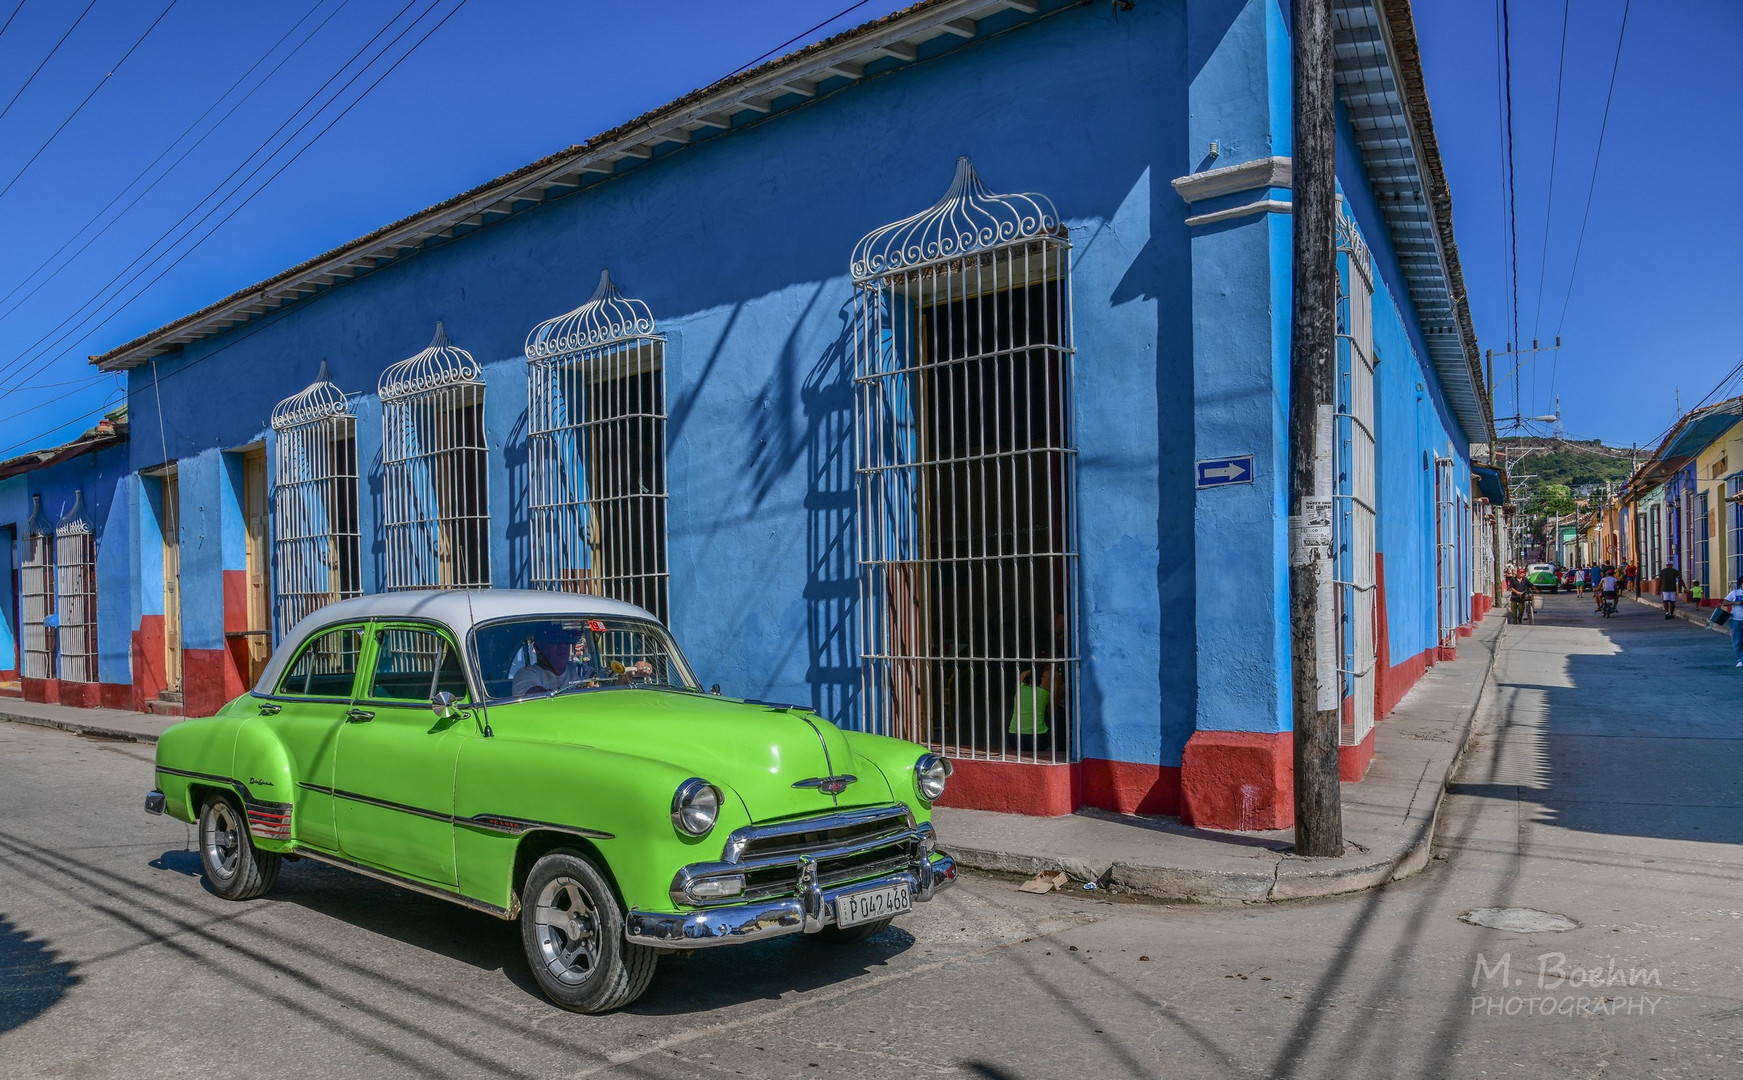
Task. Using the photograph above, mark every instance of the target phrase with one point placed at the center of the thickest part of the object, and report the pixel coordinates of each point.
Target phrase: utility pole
(1319, 824)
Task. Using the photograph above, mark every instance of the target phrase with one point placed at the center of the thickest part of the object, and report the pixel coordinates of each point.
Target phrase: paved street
(1604, 786)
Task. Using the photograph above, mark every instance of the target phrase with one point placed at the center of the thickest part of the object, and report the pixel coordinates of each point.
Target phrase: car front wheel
(572, 930)
(233, 868)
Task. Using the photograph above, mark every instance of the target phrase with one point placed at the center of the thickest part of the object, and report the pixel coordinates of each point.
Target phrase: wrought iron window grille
(1355, 494)
(966, 477)
(317, 555)
(36, 593)
(75, 543)
(435, 482)
(596, 434)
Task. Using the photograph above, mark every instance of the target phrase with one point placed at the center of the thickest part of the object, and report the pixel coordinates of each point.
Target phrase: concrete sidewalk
(1389, 816)
(112, 723)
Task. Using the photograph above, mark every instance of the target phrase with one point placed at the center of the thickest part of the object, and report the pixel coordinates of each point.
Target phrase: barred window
(966, 477)
(1355, 497)
(75, 554)
(1734, 511)
(316, 554)
(36, 593)
(596, 433)
(435, 491)
(1446, 547)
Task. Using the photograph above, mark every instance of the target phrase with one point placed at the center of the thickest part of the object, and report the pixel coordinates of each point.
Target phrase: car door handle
(269, 709)
(359, 716)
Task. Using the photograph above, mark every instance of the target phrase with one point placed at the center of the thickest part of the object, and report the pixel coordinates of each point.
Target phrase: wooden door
(259, 606)
(172, 584)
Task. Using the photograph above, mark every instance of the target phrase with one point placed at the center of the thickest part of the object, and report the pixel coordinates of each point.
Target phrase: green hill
(1565, 462)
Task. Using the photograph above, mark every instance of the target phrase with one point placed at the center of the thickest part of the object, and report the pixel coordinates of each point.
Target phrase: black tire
(585, 964)
(835, 935)
(234, 868)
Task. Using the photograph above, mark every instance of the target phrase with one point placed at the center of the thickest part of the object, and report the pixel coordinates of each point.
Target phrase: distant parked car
(550, 758)
(1543, 577)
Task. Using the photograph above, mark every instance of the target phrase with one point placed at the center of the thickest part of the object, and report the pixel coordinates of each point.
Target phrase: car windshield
(551, 654)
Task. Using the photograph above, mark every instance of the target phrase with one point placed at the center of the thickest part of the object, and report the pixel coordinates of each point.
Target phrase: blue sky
(498, 85)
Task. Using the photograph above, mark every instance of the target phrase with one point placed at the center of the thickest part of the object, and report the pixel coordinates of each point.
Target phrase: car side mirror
(443, 705)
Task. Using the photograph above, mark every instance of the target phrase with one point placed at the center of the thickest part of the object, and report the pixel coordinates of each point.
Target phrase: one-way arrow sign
(1219, 472)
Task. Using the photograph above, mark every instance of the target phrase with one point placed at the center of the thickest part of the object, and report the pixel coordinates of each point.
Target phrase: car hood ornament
(828, 785)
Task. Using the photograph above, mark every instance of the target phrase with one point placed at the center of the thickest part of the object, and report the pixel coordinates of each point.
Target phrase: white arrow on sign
(1227, 472)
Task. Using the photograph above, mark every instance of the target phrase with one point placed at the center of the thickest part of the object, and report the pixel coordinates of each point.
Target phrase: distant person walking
(1732, 605)
(1580, 581)
(1632, 577)
(1669, 581)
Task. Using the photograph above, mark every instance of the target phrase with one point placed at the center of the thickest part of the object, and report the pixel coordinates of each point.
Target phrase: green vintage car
(550, 758)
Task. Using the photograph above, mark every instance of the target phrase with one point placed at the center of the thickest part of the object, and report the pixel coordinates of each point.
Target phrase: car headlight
(695, 806)
(930, 773)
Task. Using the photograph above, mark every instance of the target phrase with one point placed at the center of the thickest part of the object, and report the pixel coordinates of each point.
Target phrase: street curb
(78, 728)
(1284, 878)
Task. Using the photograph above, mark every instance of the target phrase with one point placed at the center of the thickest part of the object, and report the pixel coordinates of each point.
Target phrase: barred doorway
(75, 543)
(434, 458)
(316, 550)
(966, 478)
(596, 423)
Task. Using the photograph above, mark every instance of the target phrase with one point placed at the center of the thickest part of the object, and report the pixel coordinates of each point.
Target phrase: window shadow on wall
(831, 563)
(515, 461)
(33, 978)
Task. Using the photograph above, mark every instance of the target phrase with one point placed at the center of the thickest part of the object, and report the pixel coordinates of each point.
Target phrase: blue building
(884, 372)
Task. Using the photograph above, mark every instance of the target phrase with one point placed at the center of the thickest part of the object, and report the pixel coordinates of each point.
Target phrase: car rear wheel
(572, 930)
(234, 868)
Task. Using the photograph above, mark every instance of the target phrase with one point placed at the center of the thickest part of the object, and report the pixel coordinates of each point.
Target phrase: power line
(10, 17)
(1549, 206)
(46, 59)
(83, 312)
(1512, 201)
(1597, 160)
(100, 84)
(796, 37)
(173, 165)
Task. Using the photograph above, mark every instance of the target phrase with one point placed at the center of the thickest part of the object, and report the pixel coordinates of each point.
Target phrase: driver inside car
(559, 659)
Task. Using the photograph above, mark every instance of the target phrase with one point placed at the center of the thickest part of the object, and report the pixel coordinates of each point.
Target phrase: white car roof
(458, 609)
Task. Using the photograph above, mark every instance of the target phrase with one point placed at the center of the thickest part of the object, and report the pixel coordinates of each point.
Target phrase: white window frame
(596, 445)
(317, 556)
(435, 454)
(1356, 493)
(931, 673)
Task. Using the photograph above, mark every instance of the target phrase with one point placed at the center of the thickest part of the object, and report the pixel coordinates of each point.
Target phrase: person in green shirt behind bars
(1029, 728)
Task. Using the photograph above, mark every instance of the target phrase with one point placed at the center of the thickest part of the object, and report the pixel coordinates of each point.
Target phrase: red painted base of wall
(1238, 780)
(1128, 788)
(9, 675)
(47, 691)
(207, 675)
(1012, 787)
(1353, 761)
(115, 695)
(149, 677)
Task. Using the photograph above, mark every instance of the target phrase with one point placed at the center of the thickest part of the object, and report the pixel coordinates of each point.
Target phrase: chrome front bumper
(810, 911)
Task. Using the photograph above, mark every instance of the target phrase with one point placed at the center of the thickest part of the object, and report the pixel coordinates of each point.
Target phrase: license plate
(871, 905)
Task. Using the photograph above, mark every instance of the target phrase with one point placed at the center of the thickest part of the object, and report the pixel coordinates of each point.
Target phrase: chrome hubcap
(223, 842)
(567, 931)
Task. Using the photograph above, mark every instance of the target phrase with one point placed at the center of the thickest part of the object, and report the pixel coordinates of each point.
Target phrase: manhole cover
(1520, 920)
